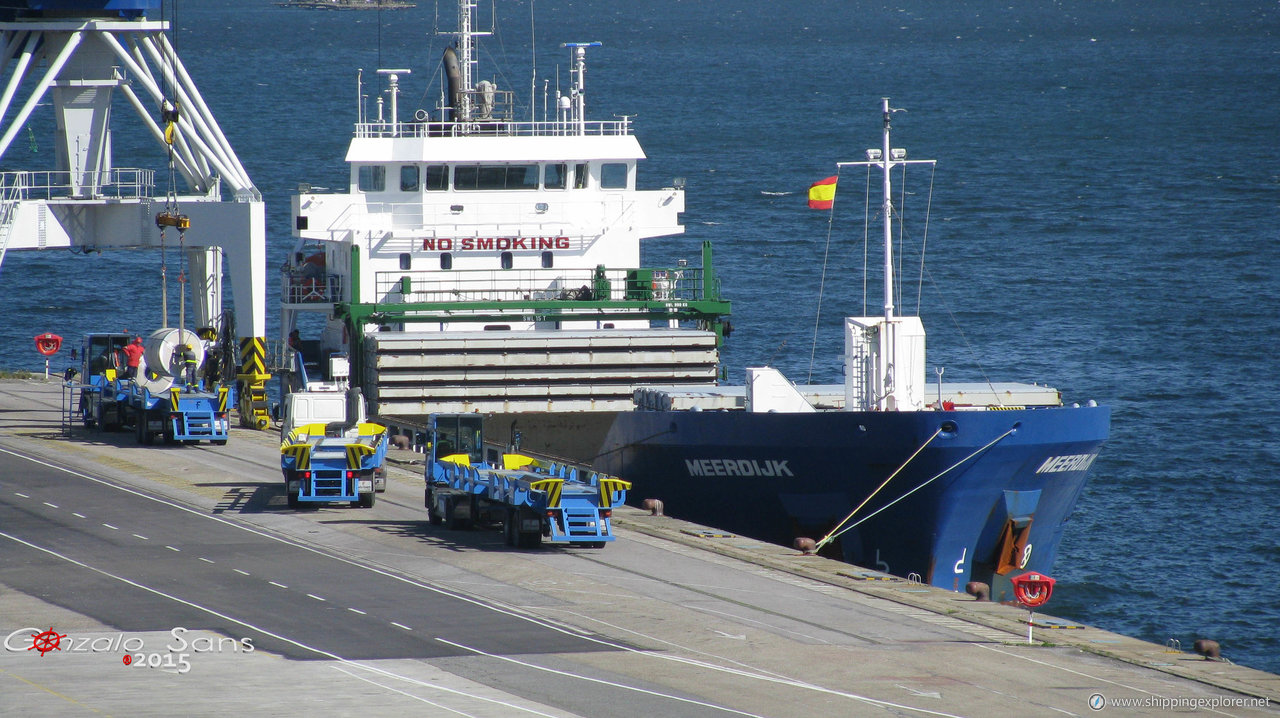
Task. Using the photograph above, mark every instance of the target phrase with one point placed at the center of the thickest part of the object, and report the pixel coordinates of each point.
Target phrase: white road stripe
(206, 560)
(242, 573)
(356, 610)
(401, 625)
(113, 528)
(171, 548)
(19, 493)
(312, 595)
(79, 516)
(52, 506)
(278, 585)
(144, 538)
(345, 661)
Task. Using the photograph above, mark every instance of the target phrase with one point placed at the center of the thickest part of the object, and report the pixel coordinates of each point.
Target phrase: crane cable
(171, 216)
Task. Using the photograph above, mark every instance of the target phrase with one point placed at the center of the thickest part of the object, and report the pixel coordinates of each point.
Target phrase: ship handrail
(118, 182)
(492, 128)
(491, 285)
(518, 216)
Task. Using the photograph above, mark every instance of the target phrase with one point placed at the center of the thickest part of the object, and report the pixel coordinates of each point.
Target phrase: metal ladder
(10, 196)
(72, 405)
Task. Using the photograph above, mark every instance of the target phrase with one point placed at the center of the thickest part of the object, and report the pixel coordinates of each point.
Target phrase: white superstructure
(469, 220)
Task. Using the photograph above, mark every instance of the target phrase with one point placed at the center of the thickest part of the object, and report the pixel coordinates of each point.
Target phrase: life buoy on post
(48, 343)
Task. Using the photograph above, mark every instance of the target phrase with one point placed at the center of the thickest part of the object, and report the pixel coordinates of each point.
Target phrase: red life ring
(48, 343)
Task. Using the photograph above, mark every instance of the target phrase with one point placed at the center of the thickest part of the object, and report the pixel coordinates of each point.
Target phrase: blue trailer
(176, 411)
(534, 500)
(338, 461)
(178, 414)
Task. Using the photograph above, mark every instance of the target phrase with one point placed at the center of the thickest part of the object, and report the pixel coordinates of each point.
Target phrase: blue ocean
(1104, 218)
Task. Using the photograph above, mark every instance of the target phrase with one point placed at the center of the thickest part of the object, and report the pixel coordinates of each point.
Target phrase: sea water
(1103, 219)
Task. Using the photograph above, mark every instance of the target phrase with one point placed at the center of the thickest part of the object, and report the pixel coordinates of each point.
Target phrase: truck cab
(319, 402)
(457, 438)
(102, 362)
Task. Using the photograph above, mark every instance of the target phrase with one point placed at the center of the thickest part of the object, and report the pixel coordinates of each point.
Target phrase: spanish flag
(822, 194)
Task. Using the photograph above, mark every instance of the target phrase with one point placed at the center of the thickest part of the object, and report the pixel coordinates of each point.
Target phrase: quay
(174, 580)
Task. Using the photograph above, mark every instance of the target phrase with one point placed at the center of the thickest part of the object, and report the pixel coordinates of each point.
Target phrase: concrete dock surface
(174, 580)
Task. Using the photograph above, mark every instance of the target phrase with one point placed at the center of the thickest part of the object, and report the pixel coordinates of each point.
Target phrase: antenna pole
(578, 51)
(887, 208)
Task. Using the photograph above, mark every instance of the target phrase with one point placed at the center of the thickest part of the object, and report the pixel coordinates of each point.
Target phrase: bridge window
(372, 178)
(580, 176)
(406, 261)
(446, 260)
(437, 178)
(553, 176)
(507, 260)
(613, 175)
(494, 177)
(408, 178)
(548, 259)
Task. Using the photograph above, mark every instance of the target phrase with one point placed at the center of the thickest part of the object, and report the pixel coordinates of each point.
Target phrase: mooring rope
(836, 534)
(832, 534)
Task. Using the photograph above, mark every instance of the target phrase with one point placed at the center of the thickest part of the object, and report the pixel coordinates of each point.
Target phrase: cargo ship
(484, 262)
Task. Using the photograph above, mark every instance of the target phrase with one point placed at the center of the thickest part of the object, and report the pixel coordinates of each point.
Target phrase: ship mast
(884, 388)
(466, 55)
(887, 208)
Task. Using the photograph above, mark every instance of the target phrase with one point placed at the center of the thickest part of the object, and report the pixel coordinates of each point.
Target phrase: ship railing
(301, 287)
(679, 284)
(492, 128)
(403, 226)
(120, 182)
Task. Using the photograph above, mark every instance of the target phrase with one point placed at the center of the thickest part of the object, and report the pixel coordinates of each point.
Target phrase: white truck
(325, 403)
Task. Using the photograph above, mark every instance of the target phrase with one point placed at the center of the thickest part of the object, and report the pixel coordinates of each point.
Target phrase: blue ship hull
(963, 509)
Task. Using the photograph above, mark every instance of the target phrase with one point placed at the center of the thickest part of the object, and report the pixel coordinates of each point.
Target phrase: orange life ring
(48, 343)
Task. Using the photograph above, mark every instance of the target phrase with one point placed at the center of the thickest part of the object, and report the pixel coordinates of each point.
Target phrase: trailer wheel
(529, 539)
(511, 527)
(451, 520)
(366, 500)
(429, 499)
(219, 442)
(291, 498)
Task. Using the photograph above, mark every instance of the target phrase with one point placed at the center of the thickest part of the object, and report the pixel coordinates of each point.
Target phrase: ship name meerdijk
(737, 467)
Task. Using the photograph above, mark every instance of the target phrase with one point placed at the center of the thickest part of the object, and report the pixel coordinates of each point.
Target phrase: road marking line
(292, 543)
(312, 595)
(19, 493)
(376, 670)
(113, 528)
(356, 610)
(171, 548)
(82, 516)
(50, 691)
(401, 625)
(589, 679)
(144, 538)
(279, 585)
(202, 558)
(1075, 672)
(243, 573)
(52, 506)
